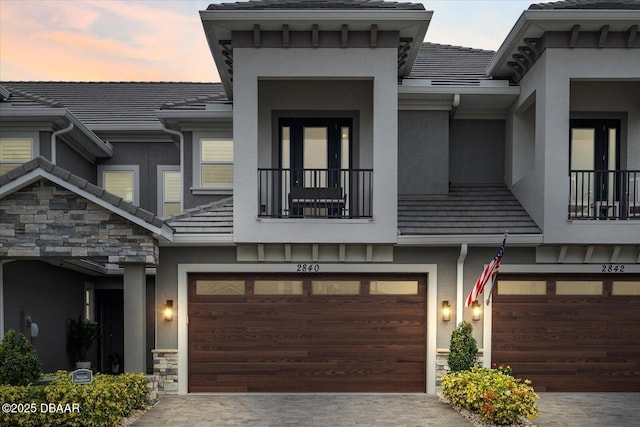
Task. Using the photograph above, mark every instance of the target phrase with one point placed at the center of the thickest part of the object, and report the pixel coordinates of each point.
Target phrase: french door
(315, 150)
(594, 165)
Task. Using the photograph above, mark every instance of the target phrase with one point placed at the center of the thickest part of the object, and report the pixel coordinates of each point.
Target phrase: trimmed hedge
(19, 364)
(496, 396)
(104, 402)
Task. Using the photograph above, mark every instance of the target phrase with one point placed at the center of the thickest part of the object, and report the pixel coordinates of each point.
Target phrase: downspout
(181, 137)
(454, 107)
(460, 283)
(54, 142)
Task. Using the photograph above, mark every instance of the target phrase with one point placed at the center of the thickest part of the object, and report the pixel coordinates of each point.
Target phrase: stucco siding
(423, 152)
(50, 295)
(477, 151)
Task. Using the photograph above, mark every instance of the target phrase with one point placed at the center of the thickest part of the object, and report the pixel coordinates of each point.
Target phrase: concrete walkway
(556, 409)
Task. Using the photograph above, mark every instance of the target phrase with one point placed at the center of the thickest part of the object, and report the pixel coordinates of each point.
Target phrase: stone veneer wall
(44, 219)
(165, 369)
(442, 365)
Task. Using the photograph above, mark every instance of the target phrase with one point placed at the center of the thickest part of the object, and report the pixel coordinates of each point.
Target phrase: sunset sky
(163, 40)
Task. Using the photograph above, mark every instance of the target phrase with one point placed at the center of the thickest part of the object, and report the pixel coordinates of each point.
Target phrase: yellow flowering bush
(497, 397)
(104, 402)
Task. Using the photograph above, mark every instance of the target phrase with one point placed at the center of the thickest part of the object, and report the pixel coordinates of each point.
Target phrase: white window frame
(198, 188)
(35, 152)
(161, 170)
(122, 168)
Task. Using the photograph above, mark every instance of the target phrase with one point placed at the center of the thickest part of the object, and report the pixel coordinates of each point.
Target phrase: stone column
(135, 345)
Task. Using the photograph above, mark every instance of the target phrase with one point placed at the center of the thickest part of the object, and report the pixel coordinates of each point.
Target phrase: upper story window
(215, 163)
(14, 152)
(121, 180)
(169, 190)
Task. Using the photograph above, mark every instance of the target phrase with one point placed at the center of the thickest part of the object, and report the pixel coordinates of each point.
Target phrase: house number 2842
(308, 268)
(613, 268)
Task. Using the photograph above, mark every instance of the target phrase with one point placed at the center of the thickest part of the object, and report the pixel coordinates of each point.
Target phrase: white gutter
(54, 141)
(460, 282)
(181, 137)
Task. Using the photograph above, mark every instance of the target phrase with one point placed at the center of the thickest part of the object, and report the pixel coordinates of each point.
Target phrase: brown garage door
(569, 333)
(306, 333)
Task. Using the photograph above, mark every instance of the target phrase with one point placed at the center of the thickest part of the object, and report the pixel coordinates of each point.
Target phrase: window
(277, 287)
(335, 287)
(393, 287)
(14, 152)
(522, 287)
(571, 287)
(169, 190)
(220, 287)
(121, 180)
(216, 163)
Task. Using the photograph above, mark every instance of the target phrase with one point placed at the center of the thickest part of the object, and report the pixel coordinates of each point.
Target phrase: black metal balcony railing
(604, 194)
(315, 193)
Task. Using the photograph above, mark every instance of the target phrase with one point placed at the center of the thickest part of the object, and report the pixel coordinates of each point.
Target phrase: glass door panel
(314, 159)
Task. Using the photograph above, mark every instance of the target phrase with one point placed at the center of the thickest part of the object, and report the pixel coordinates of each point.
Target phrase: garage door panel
(569, 342)
(345, 343)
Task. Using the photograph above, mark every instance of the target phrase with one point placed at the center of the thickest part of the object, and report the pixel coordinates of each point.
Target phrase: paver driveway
(334, 410)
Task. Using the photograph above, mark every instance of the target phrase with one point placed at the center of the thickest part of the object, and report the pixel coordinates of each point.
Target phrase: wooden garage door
(306, 333)
(569, 333)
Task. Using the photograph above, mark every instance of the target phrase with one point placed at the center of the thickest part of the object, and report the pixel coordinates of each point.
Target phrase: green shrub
(463, 348)
(498, 398)
(19, 363)
(104, 402)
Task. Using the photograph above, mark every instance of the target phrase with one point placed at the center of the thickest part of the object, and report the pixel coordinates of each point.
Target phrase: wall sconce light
(475, 310)
(446, 311)
(168, 310)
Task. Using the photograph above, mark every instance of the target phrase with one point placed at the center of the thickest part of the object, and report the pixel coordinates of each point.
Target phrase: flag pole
(493, 278)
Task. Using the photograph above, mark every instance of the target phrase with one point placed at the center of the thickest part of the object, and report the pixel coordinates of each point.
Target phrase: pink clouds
(103, 40)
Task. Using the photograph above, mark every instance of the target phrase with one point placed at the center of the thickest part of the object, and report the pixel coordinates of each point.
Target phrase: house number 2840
(308, 268)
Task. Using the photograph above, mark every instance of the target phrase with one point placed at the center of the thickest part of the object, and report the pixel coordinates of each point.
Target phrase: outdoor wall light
(168, 310)
(475, 310)
(446, 311)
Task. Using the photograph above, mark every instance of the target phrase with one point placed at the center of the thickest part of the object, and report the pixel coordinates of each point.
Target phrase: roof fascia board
(30, 177)
(224, 18)
(203, 239)
(570, 16)
(126, 127)
(195, 114)
(470, 239)
(59, 113)
(461, 90)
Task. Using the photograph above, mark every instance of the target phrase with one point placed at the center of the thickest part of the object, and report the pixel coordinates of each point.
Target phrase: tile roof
(451, 65)
(589, 4)
(215, 217)
(81, 183)
(110, 103)
(315, 4)
(467, 209)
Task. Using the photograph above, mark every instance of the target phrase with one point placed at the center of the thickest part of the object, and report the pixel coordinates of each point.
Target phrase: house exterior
(308, 219)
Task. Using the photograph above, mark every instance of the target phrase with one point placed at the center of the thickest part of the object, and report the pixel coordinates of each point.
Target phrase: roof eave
(470, 239)
(528, 18)
(100, 148)
(218, 24)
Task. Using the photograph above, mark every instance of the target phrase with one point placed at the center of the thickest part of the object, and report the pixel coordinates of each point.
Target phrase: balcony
(604, 195)
(315, 193)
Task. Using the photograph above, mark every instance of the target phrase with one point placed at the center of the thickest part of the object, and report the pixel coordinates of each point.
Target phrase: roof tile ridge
(188, 213)
(35, 97)
(453, 46)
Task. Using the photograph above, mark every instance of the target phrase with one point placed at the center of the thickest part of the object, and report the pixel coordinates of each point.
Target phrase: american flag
(488, 273)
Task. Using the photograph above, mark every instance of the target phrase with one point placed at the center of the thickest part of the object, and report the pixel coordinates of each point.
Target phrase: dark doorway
(110, 316)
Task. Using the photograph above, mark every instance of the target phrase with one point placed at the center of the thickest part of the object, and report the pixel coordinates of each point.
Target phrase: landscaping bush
(463, 348)
(19, 363)
(497, 397)
(104, 402)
